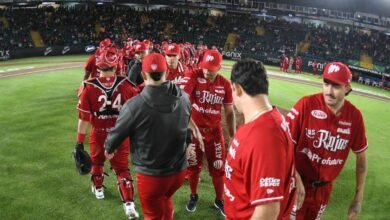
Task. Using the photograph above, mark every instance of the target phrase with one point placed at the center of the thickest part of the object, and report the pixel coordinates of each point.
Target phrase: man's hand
(109, 156)
(198, 136)
(190, 152)
(354, 210)
(300, 192)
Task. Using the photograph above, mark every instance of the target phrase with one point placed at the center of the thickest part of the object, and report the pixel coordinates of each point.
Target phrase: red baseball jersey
(177, 75)
(259, 167)
(323, 140)
(91, 67)
(102, 99)
(207, 97)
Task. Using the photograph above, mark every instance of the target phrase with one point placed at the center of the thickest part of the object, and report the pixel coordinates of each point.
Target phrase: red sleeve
(295, 118)
(359, 143)
(265, 175)
(84, 106)
(228, 100)
(90, 63)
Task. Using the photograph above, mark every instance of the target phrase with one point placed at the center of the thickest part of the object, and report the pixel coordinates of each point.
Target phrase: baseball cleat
(99, 193)
(130, 211)
(191, 205)
(219, 205)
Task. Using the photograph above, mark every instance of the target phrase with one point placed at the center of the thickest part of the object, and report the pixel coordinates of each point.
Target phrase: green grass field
(38, 122)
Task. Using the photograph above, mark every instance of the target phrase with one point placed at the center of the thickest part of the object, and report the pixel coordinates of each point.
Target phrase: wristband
(80, 137)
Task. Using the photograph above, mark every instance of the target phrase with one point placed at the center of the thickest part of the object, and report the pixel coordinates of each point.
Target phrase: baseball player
(176, 69)
(99, 105)
(134, 71)
(90, 68)
(209, 92)
(324, 128)
(298, 65)
(156, 122)
(259, 169)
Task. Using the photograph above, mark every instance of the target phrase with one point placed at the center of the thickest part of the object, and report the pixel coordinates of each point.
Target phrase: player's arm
(361, 173)
(196, 133)
(87, 74)
(230, 119)
(267, 211)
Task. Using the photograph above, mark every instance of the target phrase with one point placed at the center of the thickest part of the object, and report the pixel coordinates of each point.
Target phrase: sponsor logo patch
(90, 48)
(269, 182)
(201, 80)
(218, 164)
(319, 114)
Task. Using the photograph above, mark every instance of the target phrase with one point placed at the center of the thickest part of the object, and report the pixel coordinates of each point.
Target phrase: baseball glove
(82, 159)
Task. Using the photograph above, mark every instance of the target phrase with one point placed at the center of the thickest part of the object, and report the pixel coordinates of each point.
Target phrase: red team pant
(155, 194)
(215, 155)
(315, 203)
(119, 163)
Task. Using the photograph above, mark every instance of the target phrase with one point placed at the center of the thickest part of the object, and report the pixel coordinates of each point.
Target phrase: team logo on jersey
(201, 80)
(210, 98)
(269, 182)
(218, 164)
(270, 191)
(331, 143)
(319, 114)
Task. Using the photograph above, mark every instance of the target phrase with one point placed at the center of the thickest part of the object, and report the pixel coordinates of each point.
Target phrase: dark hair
(156, 76)
(251, 75)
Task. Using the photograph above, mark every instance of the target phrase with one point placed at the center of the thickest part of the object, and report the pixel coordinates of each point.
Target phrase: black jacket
(134, 72)
(156, 122)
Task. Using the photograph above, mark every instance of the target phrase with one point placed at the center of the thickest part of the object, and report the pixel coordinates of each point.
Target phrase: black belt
(316, 184)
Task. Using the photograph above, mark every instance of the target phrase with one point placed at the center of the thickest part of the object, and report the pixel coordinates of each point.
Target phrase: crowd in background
(78, 25)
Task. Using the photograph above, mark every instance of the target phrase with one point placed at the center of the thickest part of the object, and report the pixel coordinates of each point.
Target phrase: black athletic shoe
(219, 205)
(191, 205)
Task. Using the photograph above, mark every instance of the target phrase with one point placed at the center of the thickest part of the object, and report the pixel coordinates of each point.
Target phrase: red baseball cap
(211, 60)
(337, 72)
(140, 47)
(154, 62)
(172, 49)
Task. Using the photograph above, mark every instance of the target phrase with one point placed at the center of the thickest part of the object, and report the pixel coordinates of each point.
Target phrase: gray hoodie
(156, 121)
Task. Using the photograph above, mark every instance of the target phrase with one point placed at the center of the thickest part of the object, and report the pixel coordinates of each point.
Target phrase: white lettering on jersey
(329, 142)
(221, 91)
(228, 171)
(269, 182)
(208, 97)
(207, 111)
(319, 114)
(324, 161)
(228, 193)
(343, 131)
(232, 152)
(345, 123)
(310, 133)
(218, 150)
(177, 80)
